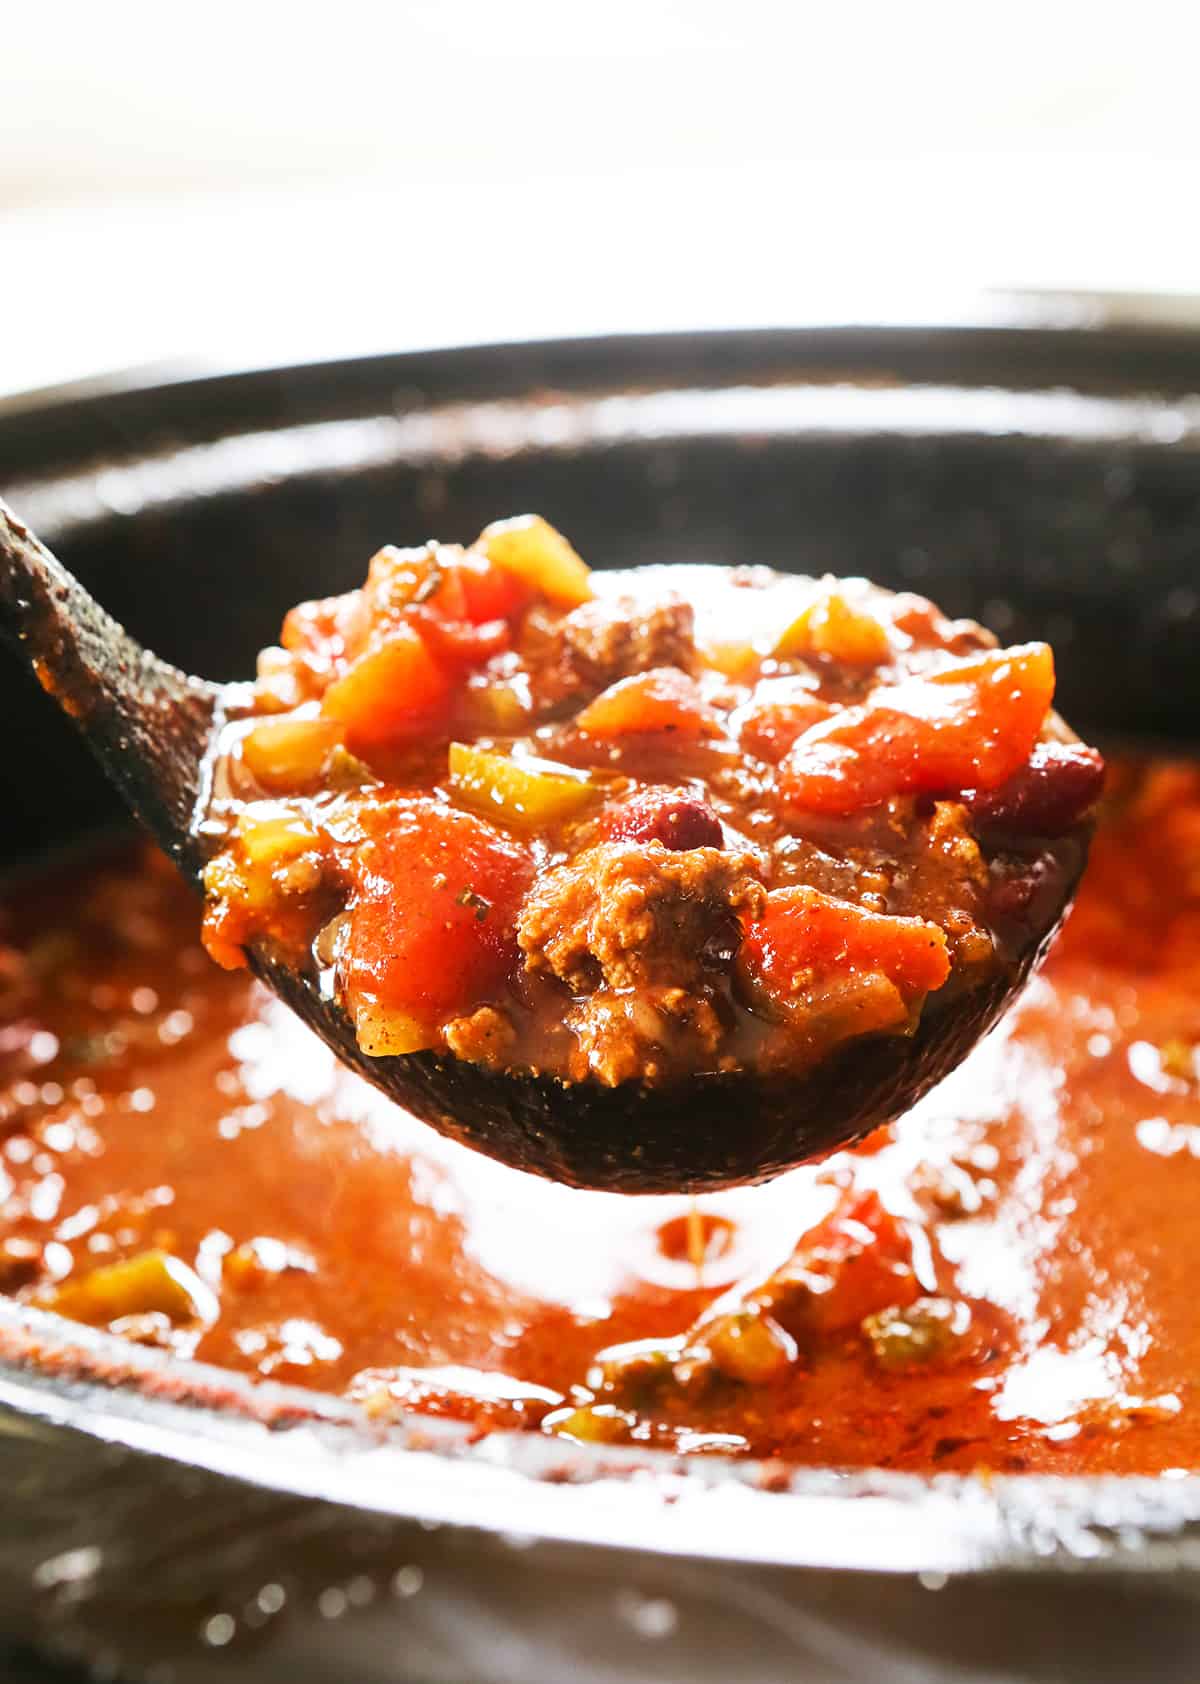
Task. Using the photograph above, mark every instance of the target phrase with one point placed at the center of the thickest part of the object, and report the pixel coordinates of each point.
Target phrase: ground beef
(643, 1035)
(605, 640)
(945, 879)
(627, 915)
(484, 1037)
(855, 877)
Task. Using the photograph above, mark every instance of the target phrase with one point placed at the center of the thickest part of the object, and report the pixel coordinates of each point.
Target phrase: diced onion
(286, 754)
(385, 1033)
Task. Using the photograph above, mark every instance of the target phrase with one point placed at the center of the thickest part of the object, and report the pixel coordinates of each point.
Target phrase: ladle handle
(147, 723)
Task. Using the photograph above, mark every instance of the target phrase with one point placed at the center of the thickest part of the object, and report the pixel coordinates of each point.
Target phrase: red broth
(1005, 1279)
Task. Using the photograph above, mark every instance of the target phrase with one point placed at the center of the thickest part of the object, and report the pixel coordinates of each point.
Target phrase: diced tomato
(467, 586)
(442, 592)
(393, 692)
(969, 725)
(460, 643)
(325, 631)
(424, 616)
(489, 592)
(805, 937)
(460, 604)
(857, 1261)
(433, 912)
(664, 699)
(768, 730)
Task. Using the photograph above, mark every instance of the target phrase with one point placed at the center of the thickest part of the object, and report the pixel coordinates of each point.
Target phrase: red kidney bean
(1014, 890)
(677, 820)
(1047, 796)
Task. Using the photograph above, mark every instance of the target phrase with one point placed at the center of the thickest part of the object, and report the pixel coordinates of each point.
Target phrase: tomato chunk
(859, 1260)
(460, 602)
(969, 725)
(768, 730)
(391, 693)
(489, 592)
(663, 699)
(460, 643)
(326, 631)
(805, 941)
(433, 914)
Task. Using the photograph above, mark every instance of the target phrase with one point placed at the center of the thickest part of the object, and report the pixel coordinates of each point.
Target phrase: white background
(241, 182)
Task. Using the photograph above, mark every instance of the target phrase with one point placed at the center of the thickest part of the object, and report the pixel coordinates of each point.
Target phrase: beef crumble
(624, 915)
(602, 641)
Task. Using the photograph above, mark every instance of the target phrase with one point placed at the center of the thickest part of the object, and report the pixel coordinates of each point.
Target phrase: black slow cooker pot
(1037, 466)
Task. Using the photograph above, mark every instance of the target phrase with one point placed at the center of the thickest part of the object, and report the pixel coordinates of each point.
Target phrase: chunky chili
(631, 827)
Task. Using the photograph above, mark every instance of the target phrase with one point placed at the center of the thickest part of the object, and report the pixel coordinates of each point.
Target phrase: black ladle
(151, 727)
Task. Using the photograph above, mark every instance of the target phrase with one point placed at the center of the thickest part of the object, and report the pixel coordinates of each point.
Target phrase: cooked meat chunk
(857, 876)
(946, 880)
(643, 1035)
(608, 639)
(626, 915)
(484, 1037)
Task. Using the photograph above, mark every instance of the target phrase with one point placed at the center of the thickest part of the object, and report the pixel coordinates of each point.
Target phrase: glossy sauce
(1046, 1194)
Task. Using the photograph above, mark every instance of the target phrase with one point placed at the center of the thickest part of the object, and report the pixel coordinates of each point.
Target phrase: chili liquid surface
(1005, 1279)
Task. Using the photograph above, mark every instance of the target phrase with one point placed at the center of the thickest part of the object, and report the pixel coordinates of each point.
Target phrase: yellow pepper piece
(151, 1281)
(286, 754)
(272, 836)
(597, 1423)
(531, 548)
(526, 794)
(749, 1346)
(384, 1033)
(834, 627)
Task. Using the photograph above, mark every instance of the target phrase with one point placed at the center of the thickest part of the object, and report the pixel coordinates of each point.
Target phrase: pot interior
(953, 466)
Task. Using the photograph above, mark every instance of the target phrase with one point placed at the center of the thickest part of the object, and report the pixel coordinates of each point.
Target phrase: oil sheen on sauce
(1028, 1295)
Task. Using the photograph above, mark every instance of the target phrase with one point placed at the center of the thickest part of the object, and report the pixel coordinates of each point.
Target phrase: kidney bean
(1047, 796)
(671, 817)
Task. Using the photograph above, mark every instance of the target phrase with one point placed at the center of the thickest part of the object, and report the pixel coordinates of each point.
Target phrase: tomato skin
(460, 643)
(969, 725)
(804, 934)
(432, 924)
(395, 691)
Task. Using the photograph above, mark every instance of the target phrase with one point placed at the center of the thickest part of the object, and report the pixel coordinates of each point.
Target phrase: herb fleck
(480, 905)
